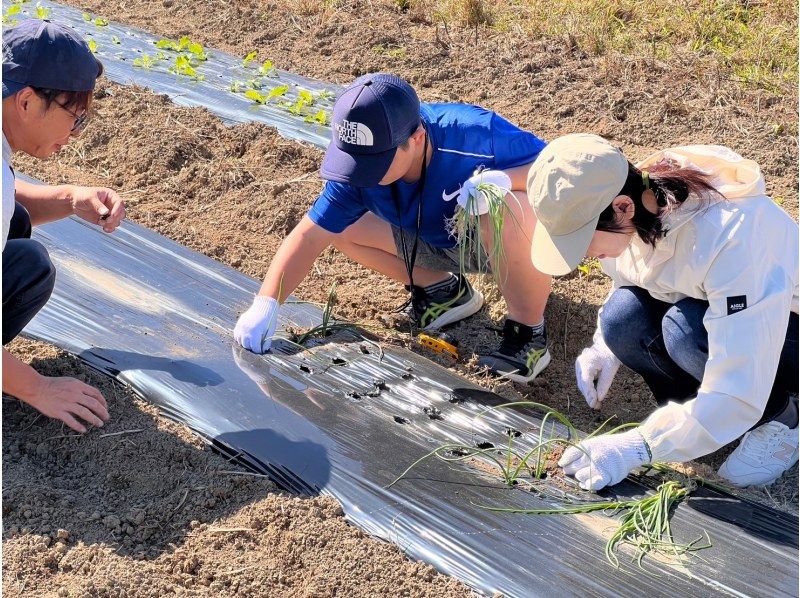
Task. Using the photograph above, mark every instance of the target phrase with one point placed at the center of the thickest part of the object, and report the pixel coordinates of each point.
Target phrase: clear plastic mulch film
(297, 107)
(346, 418)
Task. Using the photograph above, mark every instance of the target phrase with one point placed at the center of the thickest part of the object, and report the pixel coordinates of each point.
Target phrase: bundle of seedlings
(485, 204)
(645, 523)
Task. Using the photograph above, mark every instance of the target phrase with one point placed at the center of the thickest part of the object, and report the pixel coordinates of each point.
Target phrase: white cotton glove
(470, 189)
(607, 459)
(255, 327)
(596, 363)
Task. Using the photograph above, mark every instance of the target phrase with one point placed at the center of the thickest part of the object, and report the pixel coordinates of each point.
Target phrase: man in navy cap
(49, 75)
(393, 170)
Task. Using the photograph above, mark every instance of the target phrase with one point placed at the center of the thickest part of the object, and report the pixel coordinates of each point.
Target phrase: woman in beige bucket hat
(703, 306)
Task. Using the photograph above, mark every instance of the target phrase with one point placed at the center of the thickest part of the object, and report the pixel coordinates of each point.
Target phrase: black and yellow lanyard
(409, 258)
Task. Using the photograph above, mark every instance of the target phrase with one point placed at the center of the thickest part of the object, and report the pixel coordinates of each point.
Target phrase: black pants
(28, 275)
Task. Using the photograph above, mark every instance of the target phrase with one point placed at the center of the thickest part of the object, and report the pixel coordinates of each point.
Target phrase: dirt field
(186, 175)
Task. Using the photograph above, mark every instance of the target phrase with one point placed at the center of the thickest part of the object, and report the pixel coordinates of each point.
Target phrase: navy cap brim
(11, 87)
(358, 170)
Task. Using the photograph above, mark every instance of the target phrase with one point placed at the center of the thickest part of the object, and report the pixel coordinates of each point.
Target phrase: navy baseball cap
(373, 116)
(42, 54)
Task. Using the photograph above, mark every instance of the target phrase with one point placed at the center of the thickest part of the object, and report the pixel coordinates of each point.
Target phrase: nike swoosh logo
(450, 196)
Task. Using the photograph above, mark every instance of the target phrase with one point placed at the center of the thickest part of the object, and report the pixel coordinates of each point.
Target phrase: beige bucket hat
(571, 182)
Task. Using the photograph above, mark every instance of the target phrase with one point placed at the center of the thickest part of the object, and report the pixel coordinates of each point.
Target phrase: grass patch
(754, 42)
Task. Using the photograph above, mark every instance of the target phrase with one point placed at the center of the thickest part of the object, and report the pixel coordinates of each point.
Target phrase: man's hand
(479, 205)
(596, 363)
(70, 401)
(605, 460)
(255, 327)
(98, 205)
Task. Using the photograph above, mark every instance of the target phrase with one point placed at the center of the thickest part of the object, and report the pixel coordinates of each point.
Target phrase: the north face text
(353, 133)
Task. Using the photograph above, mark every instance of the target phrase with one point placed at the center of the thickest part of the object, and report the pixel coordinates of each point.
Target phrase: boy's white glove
(255, 327)
(607, 459)
(596, 363)
(480, 205)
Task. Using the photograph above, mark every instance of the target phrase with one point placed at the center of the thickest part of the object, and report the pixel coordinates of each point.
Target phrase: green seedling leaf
(42, 12)
(183, 66)
(87, 17)
(101, 22)
(254, 83)
(325, 95)
(297, 108)
(236, 86)
(115, 40)
(165, 44)
(183, 43)
(305, 96)
(161, 55)
(144, 61)
(321, 117)
(258, 98)
(277, 92)
(250, 57)
(13, 10)
(93, 46)
(197, 51)
(182, 63)
(267, 68)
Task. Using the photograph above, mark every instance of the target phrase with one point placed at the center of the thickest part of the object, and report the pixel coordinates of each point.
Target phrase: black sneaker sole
(514, 375)
(459, 312)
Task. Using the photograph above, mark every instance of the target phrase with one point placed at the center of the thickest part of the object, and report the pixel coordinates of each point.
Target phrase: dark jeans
(667, 345)
(28, 276)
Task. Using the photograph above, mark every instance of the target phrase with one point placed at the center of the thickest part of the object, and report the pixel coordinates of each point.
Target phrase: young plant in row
(196, 52)
(10, 12)
(183, 66)
(41, 12)
(263, 98)
(145, 61)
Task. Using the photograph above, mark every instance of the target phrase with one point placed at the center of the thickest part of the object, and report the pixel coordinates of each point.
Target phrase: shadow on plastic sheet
(179, 369)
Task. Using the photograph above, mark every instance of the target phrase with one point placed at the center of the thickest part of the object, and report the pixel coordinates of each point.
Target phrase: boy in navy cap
(396, 172)
(49, 74)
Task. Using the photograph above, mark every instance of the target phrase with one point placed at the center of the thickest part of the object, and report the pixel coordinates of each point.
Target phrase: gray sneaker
(521, 356)
(446, 304)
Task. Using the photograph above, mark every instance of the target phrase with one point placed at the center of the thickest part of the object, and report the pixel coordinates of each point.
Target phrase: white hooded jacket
(740, 254)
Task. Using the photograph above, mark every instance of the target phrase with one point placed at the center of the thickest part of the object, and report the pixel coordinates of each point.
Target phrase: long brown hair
(671, 185)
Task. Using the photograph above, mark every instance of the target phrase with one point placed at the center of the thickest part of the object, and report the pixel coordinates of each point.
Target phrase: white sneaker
(762, 456)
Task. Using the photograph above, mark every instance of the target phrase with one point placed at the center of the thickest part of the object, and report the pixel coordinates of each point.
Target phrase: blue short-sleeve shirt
(464, 138)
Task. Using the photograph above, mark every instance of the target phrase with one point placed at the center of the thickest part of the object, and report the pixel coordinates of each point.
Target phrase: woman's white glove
(605, 460)
(255, 327)
(596, 364)
(480, 205)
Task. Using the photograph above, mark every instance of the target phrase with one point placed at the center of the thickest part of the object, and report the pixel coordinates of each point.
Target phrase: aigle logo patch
(737, 304)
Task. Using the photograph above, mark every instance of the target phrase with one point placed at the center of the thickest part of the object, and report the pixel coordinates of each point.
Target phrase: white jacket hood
(733, 176)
